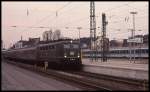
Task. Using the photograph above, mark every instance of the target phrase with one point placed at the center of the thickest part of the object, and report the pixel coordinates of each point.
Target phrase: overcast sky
(25, 15)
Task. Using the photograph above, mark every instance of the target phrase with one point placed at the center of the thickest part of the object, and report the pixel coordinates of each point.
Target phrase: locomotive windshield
(71, 50)
(67, 46)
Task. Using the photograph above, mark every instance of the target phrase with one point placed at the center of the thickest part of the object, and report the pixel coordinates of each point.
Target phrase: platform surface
(137, 69)
(16, 78)
(119, 63)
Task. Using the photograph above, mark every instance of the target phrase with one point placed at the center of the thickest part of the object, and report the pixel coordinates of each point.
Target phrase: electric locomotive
(60, 54)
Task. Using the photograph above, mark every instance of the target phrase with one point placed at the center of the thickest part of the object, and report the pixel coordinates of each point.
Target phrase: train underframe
(63, 63)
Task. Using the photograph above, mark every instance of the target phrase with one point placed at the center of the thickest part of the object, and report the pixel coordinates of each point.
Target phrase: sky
(26, 16)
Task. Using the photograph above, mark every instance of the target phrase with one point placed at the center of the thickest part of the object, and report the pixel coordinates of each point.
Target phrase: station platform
(137, 69)
(16, 78)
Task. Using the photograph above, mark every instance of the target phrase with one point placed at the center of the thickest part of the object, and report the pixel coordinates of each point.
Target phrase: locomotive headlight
(78, 55)
(65, 55)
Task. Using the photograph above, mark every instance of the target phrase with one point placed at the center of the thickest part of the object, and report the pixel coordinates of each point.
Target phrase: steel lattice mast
(92, 27)
(104, 41)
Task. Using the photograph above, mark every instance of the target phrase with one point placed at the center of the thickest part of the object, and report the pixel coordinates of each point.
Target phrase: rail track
(113, 82)
(89, 81)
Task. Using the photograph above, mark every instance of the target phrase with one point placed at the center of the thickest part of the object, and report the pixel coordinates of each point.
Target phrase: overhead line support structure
(93, 30)
(104, 40)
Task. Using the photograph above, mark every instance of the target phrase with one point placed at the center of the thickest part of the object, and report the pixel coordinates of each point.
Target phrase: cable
(117, 7)
(136, 8)
(63, 7)
(79, 20)
(51, 14)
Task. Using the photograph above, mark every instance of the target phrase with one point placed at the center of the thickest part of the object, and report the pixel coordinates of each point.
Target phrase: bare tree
(56, 35)
(48, 35)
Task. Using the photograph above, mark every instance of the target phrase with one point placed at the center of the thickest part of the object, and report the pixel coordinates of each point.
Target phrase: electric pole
(133, 33)
(92, 29)
(21, 37)
(79, 28)
(104, 42)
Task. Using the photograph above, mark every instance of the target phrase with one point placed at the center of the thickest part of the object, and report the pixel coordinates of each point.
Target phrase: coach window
(46, 47)
(143, 51)
(137, 51)
(53, 47)
(120, 51)
(112, 52)
(146, 51)
(49, 47)
(126, 51)
(117, 52)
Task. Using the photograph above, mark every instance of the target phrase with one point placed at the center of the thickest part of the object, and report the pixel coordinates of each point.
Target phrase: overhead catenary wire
(53, 13)
(105, 10)
(86, 17)
(63, 6)
(40, 21)
(117, 7)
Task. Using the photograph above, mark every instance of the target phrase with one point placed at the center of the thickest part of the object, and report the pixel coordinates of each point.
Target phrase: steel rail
(141, 84)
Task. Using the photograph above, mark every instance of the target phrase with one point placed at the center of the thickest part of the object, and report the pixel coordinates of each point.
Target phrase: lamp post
(79, 28)
(133, 31)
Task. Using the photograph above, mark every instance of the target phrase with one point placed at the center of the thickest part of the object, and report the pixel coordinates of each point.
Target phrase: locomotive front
(72, 53)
